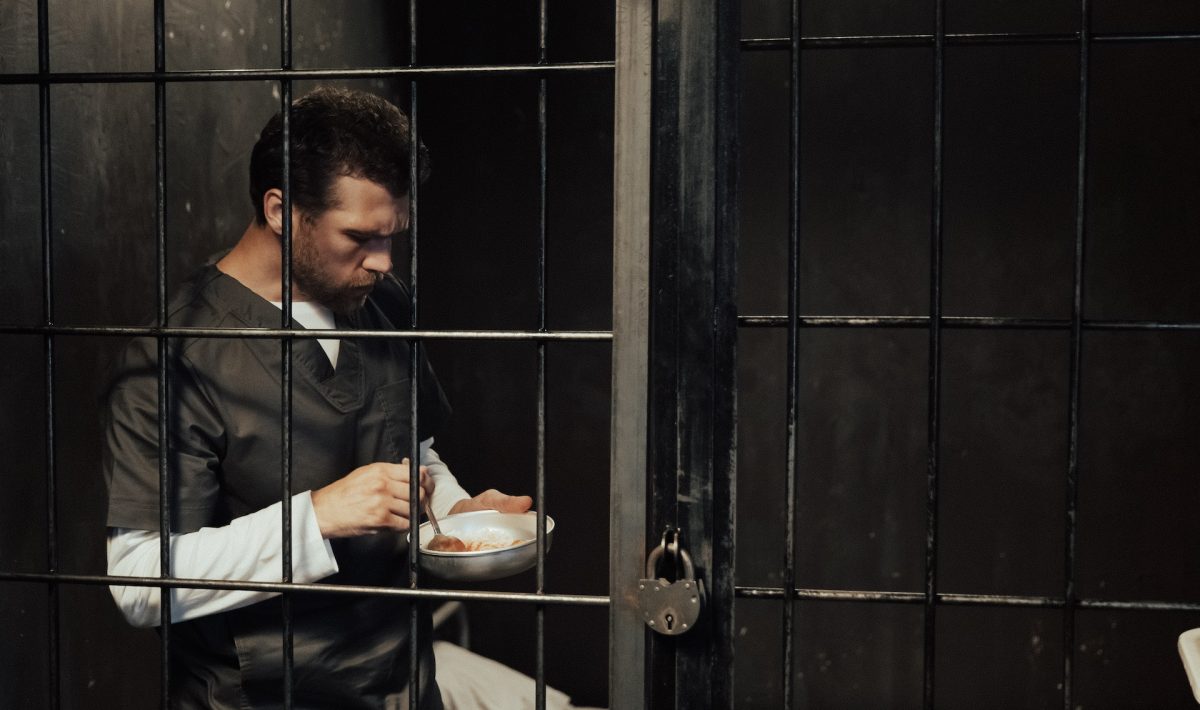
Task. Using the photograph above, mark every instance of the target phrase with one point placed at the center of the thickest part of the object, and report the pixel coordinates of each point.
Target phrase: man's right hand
(369, 499)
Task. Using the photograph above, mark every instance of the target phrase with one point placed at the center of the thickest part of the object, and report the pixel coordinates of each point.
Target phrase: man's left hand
(493, 499)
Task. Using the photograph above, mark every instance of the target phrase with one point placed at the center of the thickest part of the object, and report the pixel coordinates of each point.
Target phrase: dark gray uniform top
(224, 424)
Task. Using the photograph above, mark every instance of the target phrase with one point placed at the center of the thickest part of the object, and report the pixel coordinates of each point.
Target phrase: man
(350, 434)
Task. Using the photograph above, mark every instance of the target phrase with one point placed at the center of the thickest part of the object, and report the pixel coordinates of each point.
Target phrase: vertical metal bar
(631, 345)
(164, 520)
(164, 388)
(793, 369)
(540, 486)
(727, 96)
(43, 39)
(285, 28)
(414, 174)
(935, 358)
(1076, 358)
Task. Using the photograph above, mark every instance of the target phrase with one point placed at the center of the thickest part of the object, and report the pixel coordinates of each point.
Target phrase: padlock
(670, 608)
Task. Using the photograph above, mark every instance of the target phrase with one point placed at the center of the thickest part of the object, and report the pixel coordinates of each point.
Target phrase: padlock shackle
(656, 556)
(673, 548)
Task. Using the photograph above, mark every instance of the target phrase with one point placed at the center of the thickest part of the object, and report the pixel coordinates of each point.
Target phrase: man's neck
(257, 263)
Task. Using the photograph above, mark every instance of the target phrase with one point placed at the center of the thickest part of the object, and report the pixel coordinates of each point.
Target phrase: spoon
(440, 542)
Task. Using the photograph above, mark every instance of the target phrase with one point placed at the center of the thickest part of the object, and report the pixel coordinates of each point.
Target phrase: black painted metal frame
(285, 75)
(629, 451)
(931, 598)
(693, 334)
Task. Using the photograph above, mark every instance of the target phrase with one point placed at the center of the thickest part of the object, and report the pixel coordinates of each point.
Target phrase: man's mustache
(370, 282)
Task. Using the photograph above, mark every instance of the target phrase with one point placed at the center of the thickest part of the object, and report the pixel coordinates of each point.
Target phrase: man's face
(339, 255)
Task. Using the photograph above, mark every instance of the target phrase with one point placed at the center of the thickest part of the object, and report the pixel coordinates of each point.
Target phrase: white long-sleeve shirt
(249, 548)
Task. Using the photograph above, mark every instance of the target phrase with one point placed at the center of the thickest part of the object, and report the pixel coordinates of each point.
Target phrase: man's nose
(379, 258)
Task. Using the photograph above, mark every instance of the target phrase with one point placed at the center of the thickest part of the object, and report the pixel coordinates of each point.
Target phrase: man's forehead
(352, 186)
(369, 203)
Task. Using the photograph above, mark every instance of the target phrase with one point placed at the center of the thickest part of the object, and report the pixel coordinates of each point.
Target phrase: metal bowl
(485, 564)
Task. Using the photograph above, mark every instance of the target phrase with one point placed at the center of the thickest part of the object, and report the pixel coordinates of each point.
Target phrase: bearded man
(350, 434)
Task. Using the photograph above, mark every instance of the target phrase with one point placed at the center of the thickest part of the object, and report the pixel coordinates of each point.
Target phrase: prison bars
(48, 345)
(934, 402)
(958, 39)
(205, 75)
(629, 415)
(793, 354)
(162, 332)
(1072, 497)
(414, 443)
(539, 493)
(164, 388)
(191, 332)
(930, 598)
(999, 600)
(45, 79)
(285, 387)
(317, 587)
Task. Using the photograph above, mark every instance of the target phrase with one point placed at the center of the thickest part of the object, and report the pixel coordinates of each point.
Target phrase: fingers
(426, 482)
(400, 509)
(510, 504)
(493, 499)
(369, 499)
(498, 501)
(392, 513)
(400, 473)
(400, 490)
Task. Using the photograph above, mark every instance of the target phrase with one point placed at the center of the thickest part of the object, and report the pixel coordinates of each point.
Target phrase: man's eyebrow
(366, 234)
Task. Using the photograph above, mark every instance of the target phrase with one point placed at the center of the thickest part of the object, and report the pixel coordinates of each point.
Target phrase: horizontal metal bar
(829, 594)
(999, 600)
(846, 595)
(781, 321)
(1139, 325)
(434, 72)
(764, 44)
(1146, 37)
(150, 331)
(280, 587)
(753, 321)
(1137, 605)
(771, 44)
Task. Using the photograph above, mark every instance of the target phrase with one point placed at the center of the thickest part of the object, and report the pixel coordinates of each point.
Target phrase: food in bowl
(503, 544)
(484, 539)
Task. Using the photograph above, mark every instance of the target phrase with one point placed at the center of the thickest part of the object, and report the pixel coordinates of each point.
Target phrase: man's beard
(311, 278)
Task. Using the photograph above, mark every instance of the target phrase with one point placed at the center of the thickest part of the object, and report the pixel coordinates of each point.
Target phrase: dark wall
(478, 248)
(1010, 152)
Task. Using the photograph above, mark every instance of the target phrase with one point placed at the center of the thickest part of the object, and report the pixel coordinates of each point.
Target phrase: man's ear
(273, 209)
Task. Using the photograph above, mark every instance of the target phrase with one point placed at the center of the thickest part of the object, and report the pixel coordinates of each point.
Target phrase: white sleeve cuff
(446, 490)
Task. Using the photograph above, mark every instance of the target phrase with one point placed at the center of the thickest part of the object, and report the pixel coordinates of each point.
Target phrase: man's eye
(363, 238)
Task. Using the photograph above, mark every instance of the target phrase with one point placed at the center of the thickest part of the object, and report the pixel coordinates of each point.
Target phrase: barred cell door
(967, 466)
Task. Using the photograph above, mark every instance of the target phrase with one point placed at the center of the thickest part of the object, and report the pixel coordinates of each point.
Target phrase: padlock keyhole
(670, 622)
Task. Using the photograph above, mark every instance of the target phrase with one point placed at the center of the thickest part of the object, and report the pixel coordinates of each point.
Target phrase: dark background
(1011, 136)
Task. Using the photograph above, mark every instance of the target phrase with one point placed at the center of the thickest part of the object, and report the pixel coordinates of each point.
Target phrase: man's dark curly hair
(334, 132)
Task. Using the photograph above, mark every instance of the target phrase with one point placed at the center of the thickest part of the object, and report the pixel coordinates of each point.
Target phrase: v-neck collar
(343, 387)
